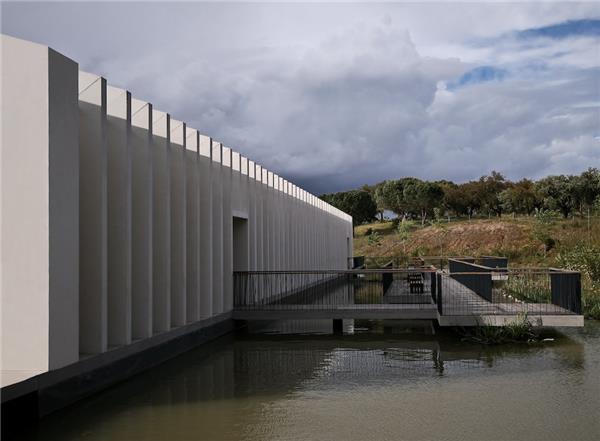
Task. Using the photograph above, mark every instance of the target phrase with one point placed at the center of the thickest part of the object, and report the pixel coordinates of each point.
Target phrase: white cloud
(334, 96)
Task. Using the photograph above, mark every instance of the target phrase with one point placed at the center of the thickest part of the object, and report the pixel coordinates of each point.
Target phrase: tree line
(490, 195)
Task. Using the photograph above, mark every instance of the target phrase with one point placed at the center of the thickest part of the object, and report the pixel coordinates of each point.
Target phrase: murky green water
(382, 383)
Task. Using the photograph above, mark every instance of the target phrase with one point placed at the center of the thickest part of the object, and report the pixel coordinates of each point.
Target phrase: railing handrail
(425, 269)
(348, 271)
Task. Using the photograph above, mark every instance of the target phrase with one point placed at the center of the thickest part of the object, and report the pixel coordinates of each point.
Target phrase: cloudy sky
(333, 96)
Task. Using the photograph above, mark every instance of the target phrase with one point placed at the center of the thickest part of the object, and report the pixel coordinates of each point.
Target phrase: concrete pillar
(161, 222)
(217, 227)
(141, 226)
(178, 224)
(119, 216)
(92, 214)
(206, 228)
(39, 232)
(338, 326)
(192, 212)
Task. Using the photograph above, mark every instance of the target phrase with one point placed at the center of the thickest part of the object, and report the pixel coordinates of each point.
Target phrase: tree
(463, 199)
(378, 197)
(456, 199)
(488, 191)
(520, 197)
(391, 196)
(357, 203)
(558, 193)
(587, 187)
(421, 197)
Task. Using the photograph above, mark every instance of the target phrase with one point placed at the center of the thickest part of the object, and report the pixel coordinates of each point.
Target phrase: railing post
(440, 301)
(433, 277)
(566, 290)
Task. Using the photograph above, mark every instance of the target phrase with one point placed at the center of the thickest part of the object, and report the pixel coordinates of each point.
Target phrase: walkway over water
(451, 299)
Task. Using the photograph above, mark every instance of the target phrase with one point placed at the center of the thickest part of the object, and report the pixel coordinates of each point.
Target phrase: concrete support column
(141, 228)
(161, 222)
(178, 224)
(119, 216)
(192, 212)
(92, 214)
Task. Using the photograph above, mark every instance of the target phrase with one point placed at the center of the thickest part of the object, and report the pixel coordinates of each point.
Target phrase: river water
(382, 381)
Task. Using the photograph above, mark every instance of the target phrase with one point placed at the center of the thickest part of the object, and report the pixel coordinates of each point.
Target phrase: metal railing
(481, 292)
(330, 289)
(439, 262)
(510, 292)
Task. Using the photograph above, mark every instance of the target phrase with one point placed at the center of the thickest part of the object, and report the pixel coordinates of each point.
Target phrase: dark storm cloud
(335, 96)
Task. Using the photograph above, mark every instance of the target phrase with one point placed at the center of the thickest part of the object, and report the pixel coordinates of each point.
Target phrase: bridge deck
(460, 307)
(463, 307)
(366, 311)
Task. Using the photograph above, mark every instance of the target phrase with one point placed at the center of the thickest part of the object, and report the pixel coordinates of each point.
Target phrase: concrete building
(121, 228)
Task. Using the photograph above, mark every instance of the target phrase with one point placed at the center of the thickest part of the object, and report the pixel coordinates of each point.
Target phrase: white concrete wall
(39, 228)
(119, 222)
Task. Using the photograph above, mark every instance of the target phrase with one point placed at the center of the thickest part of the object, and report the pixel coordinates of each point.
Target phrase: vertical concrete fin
(217, 227)
(178, 223)
(92, 214)
(119, 195)
(205, 227)
(161, 221)
(227, 232)
(192, 211)
(142, 219)
(63, 210)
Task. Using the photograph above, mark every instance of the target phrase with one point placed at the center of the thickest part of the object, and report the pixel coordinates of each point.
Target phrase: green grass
(575, 247)
(518, 331)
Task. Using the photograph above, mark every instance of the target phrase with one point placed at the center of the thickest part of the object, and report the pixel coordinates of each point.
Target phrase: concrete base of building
(40, 395)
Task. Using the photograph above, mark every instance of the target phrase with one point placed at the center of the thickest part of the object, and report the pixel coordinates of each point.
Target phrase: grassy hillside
(525, 241)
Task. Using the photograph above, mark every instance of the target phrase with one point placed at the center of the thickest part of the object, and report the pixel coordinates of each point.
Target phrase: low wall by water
(481, 284)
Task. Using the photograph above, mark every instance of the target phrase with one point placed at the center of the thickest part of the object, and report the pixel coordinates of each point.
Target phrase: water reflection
(294, 380)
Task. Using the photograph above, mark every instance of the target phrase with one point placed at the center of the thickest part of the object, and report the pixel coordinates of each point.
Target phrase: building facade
(122, 227)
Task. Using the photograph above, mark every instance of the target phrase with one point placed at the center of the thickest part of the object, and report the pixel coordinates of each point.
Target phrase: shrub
(586, 259)
(374, 238)
(520, 330)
